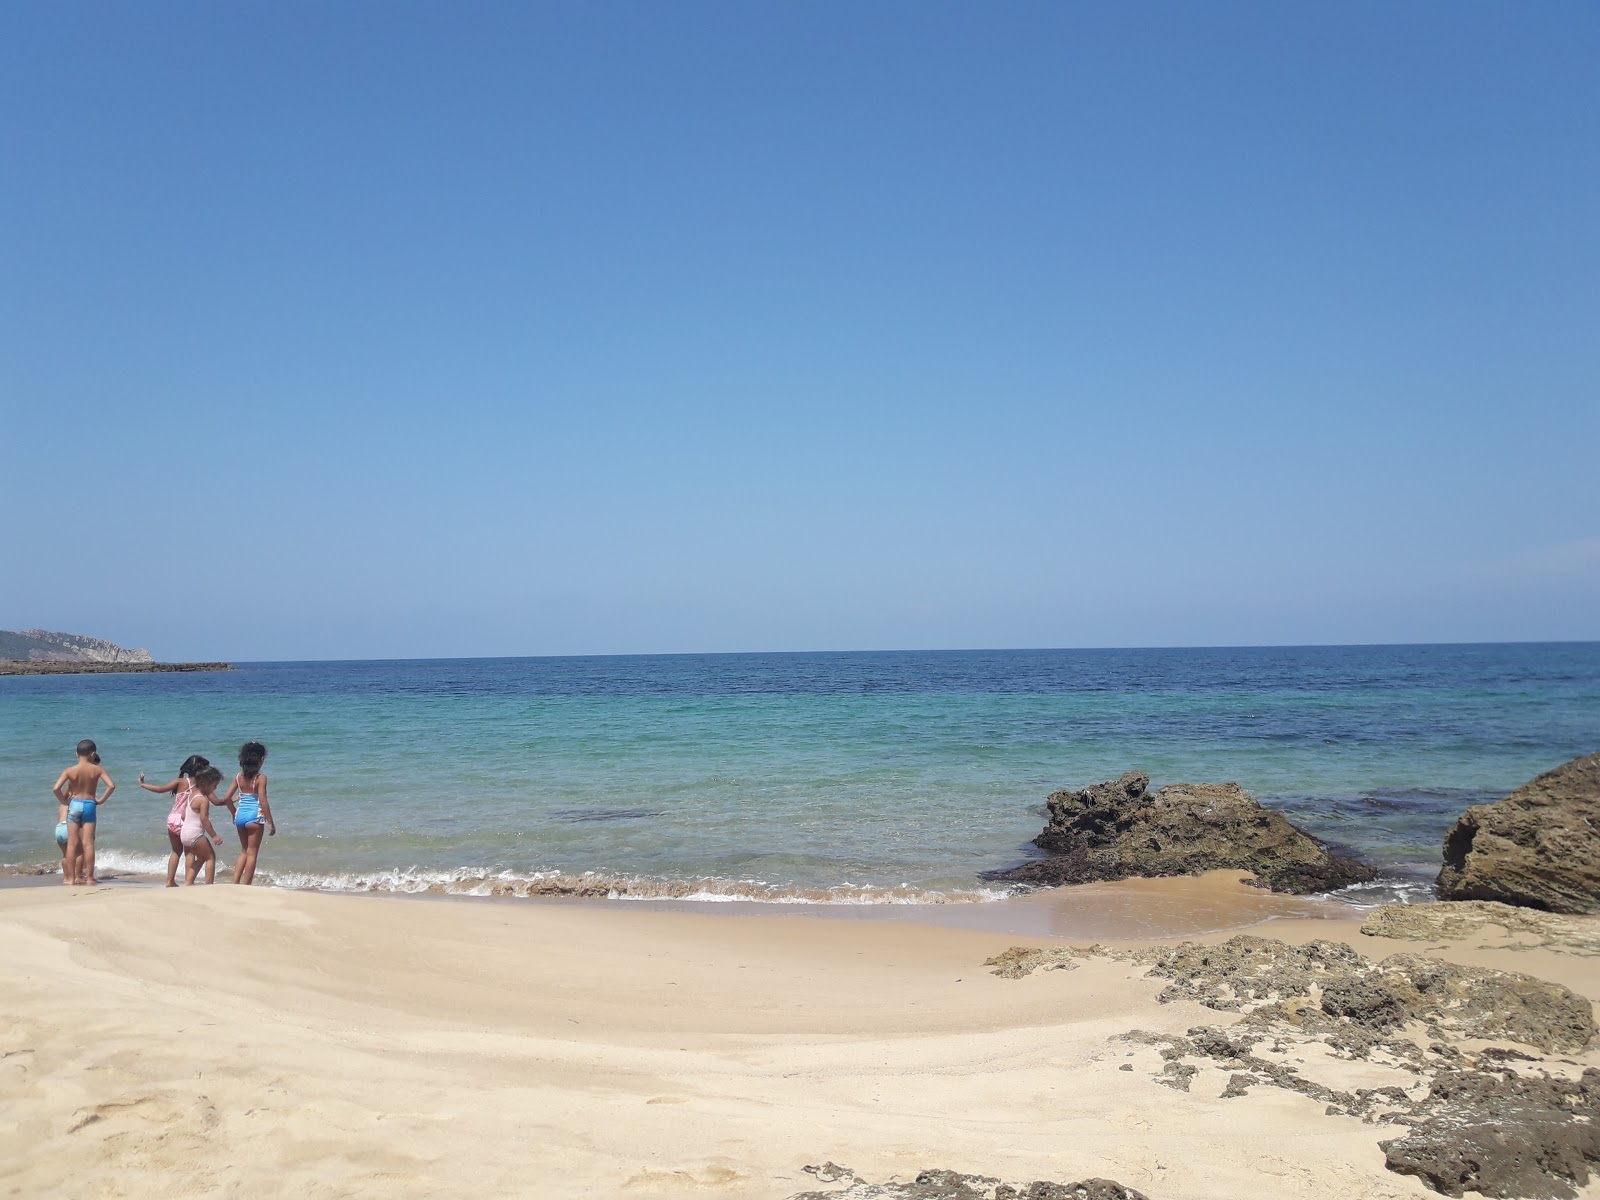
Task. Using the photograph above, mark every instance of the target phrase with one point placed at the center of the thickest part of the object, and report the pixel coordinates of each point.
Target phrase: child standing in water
(196, 833)
(76, 787)
(248, 798)
(181, 786)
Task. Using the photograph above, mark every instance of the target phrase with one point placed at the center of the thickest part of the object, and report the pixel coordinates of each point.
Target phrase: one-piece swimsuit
(179, 803)
(193, 832)
(248, 810)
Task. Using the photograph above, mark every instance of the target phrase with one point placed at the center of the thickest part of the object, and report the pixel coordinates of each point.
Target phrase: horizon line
(926, 650)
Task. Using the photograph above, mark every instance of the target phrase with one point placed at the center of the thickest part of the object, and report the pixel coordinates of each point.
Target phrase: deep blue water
(778, 774)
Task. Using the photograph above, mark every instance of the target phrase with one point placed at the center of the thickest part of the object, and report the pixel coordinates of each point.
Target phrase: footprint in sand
(704, 1179)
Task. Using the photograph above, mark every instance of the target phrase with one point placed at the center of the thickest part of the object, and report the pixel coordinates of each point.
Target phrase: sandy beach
(229, 1042)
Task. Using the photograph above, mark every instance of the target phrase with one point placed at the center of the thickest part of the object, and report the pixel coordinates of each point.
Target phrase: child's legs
(253, 835)
(207, 855)
(70, 864)
(191, 869)
(174, 858)
(86, 868)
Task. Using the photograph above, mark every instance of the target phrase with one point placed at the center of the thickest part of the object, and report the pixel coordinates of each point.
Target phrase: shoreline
(12, 667)
(1128, 910)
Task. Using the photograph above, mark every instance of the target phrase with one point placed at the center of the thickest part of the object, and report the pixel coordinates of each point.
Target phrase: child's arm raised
(266, 809)
(166, 787)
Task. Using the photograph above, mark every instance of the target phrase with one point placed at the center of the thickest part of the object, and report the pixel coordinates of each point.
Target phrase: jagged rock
(1327, 988)
(952, 1185)
(1503, 1137)
(1020, 960)
(1453, 920)
(1492, 1119)
(1539, 847)
(1119, 829)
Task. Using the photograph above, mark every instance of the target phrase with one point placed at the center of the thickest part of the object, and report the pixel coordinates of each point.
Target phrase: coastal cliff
(41, 645)
(41, 652)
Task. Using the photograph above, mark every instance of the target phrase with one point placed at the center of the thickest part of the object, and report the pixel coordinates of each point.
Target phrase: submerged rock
(952, 1185)
(1539, 847)
(1120, 829)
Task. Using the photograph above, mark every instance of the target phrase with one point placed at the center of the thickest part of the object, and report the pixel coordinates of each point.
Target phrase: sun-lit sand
(249, 1042)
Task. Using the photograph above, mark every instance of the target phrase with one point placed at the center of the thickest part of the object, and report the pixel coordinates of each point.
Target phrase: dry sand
(251, 1042)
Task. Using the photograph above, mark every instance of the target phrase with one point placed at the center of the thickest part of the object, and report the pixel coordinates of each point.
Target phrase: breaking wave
(590, 885)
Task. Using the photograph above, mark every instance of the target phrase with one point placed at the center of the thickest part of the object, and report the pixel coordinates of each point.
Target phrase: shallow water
(854, 778)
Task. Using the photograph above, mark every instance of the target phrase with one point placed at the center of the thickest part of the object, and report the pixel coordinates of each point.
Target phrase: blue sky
(348, 330)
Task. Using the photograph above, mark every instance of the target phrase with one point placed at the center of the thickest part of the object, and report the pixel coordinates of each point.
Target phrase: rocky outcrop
(952, 1185)
(1482, 1117)
(1458, 920)
(1505, 1137)
(1539, 847)
(1119, 829)
(40, 645)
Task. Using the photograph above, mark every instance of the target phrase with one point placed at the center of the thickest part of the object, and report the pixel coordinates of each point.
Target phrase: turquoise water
(860, 776)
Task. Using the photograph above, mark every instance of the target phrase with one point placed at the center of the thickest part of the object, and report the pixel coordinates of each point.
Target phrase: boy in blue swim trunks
(76, 787)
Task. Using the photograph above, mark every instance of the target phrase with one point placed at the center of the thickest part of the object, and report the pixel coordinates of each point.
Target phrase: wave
(590, 885)
(1386, 889)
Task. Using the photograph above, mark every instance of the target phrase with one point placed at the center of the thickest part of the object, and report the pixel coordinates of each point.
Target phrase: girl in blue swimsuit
(252, 815)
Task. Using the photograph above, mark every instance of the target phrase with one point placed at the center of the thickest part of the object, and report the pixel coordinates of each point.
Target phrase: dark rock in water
(1504, 1137)
(1539, 847)
(952, 1185)
(1119, 829)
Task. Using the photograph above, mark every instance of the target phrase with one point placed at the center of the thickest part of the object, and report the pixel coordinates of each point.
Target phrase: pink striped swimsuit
(179, 803)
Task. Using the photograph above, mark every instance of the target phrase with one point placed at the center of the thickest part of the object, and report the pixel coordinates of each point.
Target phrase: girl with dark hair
(247, 797)
(77, 786)
(182, 785)
(196, 833)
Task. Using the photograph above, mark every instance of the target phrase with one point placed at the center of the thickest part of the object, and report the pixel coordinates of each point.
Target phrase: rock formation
(1120, 828)
(1457, 920)
(1539, 847)
(1479, 1117)
(952, 1185)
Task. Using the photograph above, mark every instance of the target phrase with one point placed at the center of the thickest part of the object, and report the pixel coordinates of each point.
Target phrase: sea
(805, 778)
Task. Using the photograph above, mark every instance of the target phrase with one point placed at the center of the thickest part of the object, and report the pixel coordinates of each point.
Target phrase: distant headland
(41, 652)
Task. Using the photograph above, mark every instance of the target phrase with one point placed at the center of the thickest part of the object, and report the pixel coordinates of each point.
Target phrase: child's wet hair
(86, 749)
(251, 756)
(193, 763)
(208, 777)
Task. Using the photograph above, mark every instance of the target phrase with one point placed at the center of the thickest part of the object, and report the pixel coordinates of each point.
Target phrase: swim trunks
(81, 812)
(248, 811)
(61, 835)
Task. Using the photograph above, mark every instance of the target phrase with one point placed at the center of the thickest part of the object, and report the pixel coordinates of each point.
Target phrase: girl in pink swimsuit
(180, 801)
(196, 833)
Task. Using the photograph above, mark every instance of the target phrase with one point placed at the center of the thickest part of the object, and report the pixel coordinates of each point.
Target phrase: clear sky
(337, 330)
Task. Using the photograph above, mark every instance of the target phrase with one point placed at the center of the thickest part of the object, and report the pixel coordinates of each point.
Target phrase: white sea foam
(482, 881)
(470, 881)
(1381, 891)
